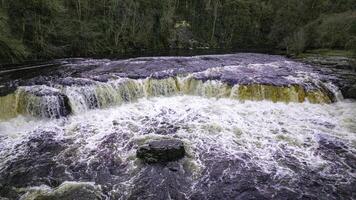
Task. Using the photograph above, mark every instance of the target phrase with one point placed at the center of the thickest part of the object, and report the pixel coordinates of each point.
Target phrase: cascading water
(267, 129)
(39, 101)
(82, 98)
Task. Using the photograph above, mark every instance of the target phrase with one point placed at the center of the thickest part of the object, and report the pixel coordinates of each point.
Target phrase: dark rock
(160, 128)
(67, 109)
(83, 72)
(231, 179)
(41, 91)
(8, 192)
(160, 151)
(36, 165)
(331, 145)
(349, 92)
(75, 81)
(63, 108)
(339, 62)
(5, 90)
(160, 182)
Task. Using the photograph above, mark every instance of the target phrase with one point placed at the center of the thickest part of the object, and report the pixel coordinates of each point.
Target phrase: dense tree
(35, 29)
(11, 49)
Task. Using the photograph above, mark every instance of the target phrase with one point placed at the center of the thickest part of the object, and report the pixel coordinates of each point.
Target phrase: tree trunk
(215, 19)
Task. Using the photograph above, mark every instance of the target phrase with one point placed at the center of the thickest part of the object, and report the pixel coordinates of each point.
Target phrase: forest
(47, 29)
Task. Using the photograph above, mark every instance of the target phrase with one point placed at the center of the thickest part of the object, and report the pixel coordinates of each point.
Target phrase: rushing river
(254, 127)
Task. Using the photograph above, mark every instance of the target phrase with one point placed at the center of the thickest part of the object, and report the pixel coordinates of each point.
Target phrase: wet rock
(330, 145)
(35, 166)
(338, 70)
(285, 193)
(161, 182)
(349, 92)
(160, 151)
(104, 167)
(103, 78)
(115, 123)
(75, 82)
(41, 91)
(51, 103)
(67, 191)
(160, 128)
(242, 69)
(107, 168)
(7, 193)
(5, 90)
(333, 61)
(231, 179)
(64, 108)
(341, 157)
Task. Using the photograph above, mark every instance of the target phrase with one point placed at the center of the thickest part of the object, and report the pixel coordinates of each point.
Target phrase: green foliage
(351, 45)
(34, 29)
(10, 48)
(296, 44)
(333, 31)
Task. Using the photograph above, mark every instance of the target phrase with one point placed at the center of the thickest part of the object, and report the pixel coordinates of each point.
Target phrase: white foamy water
(222, 128)
(233, 126)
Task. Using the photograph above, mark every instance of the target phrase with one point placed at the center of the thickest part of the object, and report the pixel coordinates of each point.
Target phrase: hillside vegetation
(44, 29)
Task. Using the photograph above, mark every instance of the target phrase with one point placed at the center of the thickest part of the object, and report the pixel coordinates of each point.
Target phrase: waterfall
(252, 120)
(8, 105)
(60, 100)
(209, 88)
(38, 101)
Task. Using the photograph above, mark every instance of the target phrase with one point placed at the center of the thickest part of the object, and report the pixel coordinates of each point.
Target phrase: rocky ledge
(338, 62)
(343, 69)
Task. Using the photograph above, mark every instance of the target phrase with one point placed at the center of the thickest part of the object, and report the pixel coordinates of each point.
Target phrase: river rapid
(254, 126)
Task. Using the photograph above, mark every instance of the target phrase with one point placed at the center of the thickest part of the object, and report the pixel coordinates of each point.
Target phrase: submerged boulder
(66, 191)
(160, 151)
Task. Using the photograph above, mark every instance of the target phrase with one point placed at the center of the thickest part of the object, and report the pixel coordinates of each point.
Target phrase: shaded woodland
(45, 29)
